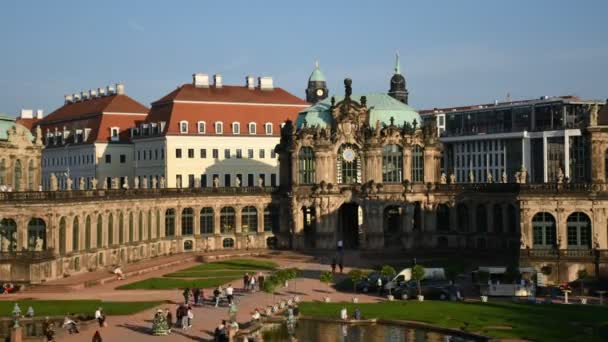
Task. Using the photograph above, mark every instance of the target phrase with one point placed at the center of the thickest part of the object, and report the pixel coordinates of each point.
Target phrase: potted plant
(418, 275)
(327, 278)
(388, 272)
(582, 274)
(355, 276)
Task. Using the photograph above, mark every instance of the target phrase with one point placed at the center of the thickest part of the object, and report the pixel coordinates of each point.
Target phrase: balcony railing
(131, 193)
(552, 253)
(27, 256)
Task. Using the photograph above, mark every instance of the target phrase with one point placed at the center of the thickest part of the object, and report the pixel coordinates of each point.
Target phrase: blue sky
(452, 52)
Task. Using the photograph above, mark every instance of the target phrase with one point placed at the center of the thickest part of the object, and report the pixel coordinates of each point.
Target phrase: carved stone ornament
(444, 178)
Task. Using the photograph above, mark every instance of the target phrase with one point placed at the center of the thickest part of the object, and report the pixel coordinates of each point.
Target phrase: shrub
(418, 275)
(355, 276)
(326, 277)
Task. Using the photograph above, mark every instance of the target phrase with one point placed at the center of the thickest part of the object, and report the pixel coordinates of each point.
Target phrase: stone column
(295, 167)
(21, 221)
(178, 221)
(407, 163)
(453, 218)
(261, 222)
(163, 226)
(525, 228)
(237, 222)
(196, 217)
(94, 219)
(431, 215)
(216, 220)
(561, 227)
(69, 226)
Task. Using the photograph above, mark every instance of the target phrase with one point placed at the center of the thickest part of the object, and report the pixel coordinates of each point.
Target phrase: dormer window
(183, 127)
(78, 138)
(236, 128)
(219, 128)
(87, 131)
(252, 128)
(114, 133)
(161, 126)
(145, 129)
(134, 132)
(268, 128)
(155, 130)
(201, 127)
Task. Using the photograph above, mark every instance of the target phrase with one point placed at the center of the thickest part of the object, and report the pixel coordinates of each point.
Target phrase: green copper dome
(382, 108)
(317, 75)
(6, 123)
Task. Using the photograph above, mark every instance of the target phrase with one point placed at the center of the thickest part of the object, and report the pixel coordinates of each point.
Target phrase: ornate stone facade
(20, 158)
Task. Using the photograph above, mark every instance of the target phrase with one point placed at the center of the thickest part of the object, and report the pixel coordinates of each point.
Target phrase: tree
(418, 275)
(355, 276)
(389, 273)
(582, 274)
(270, 285)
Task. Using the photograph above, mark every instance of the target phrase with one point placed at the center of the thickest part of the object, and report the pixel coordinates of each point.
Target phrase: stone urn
(296, 299)
(355, 300)
(269, 311)
(404, 296)
(390, 298)
(327, 300)
(583, 301)
(484, 299)
(420, 298)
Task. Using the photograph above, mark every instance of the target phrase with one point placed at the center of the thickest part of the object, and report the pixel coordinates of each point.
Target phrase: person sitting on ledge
(357, 314)
(343, 314)
(118, 273)
(256, 315)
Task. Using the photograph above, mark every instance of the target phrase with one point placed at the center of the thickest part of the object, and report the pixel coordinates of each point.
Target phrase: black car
(430, 290)
(370, 283)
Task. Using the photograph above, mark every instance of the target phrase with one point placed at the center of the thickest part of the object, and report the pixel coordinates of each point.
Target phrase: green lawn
(173, 283)
(541, 322)
(61, 307)
(203, 276)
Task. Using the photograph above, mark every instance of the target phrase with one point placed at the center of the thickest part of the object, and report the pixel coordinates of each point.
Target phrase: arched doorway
(348, 225)
(310, 226)
(393, 216)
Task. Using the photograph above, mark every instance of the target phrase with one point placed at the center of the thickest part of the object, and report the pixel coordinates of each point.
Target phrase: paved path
(137, 327)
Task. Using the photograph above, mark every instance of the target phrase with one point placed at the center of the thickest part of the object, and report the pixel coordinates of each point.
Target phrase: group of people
(252, 282)
(194, 297)
(223, 330)
(8, 288)
(220, 292)
(344, 314)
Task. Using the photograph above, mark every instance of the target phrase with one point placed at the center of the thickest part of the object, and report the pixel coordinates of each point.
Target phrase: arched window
(150, 223)
(348, 165)
(183, 127)
(62, 236)
(31, 172)
(579, 231)
(252, 128)
(131, 228)
(497, 218)
(463, 217)
(8, 235)
(392, 164)
(111, 230)
(271, 218)
(543, 229)
(87, 233)
(228, 243)
(170, 222)
(236, 128)
(201, 127)
(2, 172)
(219, 128)
(207, 220)
(187, 221)
(482, 218)
(307, 165)
(75, 235)
(249, 219)
(36, 234)
(443, 217)
(99, 231)
(268, 128)
(140, 227)
(227, 220)
(17, 175)
(417, 164)
(121, 228)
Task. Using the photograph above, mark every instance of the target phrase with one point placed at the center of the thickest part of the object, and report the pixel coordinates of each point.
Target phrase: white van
(406, 275)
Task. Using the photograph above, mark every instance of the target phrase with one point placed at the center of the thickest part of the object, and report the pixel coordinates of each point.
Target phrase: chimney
(101, 92)
(265, 83)
(120, 89)
(110, 90)
(27, 114)
(39, 114)
(250, 82)
(200, 80)
(76, 97)
(92, 93)
(68, 98)
(84, 95)
(217, 80)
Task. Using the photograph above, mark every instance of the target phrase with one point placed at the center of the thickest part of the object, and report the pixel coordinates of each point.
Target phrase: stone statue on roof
(93, 183)
(69, 183)
(452, 178)
(81, 184)
(444, 178)
(54, 183)
(144, 183)
(136, 182)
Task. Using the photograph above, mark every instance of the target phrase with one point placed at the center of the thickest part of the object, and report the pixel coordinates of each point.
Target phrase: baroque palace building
(363, 169)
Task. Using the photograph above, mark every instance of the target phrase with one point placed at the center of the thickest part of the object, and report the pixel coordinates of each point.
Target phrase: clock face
(319, 92)
(348, 154)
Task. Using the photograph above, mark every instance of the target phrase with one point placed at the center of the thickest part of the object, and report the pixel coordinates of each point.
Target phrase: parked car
(439, 290)
(370, 283)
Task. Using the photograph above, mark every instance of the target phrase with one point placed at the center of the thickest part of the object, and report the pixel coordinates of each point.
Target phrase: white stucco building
(204, 131)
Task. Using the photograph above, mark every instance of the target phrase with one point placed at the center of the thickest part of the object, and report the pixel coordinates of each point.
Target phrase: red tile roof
(227, 104)
(28, 123)
(240, 94)
(98, 114)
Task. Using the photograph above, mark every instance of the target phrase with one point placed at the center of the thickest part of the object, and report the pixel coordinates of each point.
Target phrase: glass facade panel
(306, 165)
(417, 164)
(392, 164)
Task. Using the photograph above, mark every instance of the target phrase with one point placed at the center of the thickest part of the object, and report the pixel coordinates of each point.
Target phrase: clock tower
(317, 86)
(398, 89)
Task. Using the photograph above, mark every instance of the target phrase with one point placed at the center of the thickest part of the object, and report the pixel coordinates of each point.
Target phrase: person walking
(48, 329)
(184, 317)
(246, 281)
(379, 285)
(186, 295)
(100, 317)
(196, 294)
(216, 294)
(190, 315)
(252, 283)
(333, 265)
(261, 280)
(229, 293)
(169, 318)
(201, 297)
